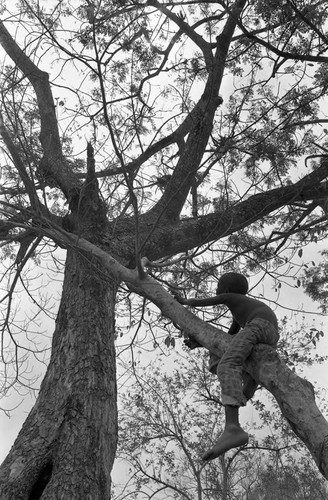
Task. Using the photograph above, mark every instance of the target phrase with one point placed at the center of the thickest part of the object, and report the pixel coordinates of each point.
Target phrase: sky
(292, 302)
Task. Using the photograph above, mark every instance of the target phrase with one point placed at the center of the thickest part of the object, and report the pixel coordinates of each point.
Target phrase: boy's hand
(191, 343)
(180, 299)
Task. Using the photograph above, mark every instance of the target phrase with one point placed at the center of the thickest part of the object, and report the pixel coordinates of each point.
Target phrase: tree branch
(171, 203)
(28, 183)
(303, 123)
(204, 46)
(282, 53)
(179, 237)
(53, 162)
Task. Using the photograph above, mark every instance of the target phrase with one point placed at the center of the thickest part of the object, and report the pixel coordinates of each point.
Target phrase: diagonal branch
(180, 237)
(53, 162)
(173, 199)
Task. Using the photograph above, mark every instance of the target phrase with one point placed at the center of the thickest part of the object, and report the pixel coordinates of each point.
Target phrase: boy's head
(232, 283)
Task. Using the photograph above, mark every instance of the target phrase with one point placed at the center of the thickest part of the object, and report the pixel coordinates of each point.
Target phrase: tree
(142, 82)
(292, 482)
(165, 427)
(169, 416)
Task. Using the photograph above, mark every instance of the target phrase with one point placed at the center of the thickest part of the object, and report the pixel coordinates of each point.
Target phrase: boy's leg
(229, 371)
(230, 375)
(249, 385)
(230, 368)
(233, 435)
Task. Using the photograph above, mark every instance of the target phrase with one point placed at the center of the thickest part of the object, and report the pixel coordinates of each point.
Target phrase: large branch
(173, 199)
(174, 238)
(53, 162)
(294, 395)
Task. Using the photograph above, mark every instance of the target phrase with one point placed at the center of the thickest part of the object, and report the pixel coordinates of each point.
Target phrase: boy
(259, 325)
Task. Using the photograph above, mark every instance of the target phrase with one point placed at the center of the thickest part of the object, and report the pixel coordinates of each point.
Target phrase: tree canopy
(188, 137)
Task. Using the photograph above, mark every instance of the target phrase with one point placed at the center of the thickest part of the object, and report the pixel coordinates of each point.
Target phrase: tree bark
(296, 399)
(67, 445)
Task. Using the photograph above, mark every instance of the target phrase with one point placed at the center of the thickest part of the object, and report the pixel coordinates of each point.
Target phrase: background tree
(296, 481)
(165, 427)
(142, 83)
(169, 417)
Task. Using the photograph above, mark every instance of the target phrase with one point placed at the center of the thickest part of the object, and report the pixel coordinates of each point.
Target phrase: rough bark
(67, 445)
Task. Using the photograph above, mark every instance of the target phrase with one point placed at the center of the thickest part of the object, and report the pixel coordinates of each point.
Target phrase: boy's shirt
(244, 309)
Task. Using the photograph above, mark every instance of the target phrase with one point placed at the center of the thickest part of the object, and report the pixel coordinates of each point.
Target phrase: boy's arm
(191, 343)
(209, 301)
(234, 328)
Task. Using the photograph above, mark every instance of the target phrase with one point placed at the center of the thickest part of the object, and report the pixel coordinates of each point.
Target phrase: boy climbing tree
(253, 323)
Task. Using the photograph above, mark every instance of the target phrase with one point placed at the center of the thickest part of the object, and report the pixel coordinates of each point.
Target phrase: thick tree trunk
(67, 445)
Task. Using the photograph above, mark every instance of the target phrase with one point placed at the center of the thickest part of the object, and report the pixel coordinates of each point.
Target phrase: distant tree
(192, 135)
(166, 425)
(169, 417)
(293, 482)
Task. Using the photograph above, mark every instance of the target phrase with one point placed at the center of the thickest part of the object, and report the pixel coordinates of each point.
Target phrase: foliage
(189, 133)
(315, 282)
(295, 481)
(166, 424)
(170, 415)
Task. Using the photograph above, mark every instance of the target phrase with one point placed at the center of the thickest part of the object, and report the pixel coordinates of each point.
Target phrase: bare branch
(188, 30)
(53, 162)
(28, 183)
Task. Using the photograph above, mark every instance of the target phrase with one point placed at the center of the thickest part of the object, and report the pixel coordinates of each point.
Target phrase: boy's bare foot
(232, 437)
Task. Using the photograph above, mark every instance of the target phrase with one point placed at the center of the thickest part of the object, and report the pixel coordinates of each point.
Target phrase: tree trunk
(67, 445)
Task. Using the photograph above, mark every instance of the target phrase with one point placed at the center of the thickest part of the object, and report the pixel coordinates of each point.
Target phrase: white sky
(293, 298)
